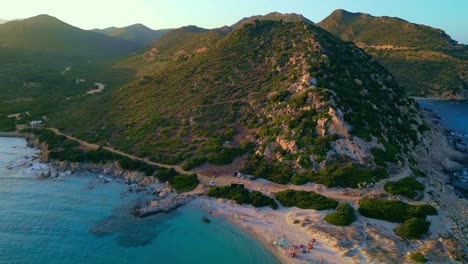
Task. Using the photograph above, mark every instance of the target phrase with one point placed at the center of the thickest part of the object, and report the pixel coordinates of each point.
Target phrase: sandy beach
(269, 226)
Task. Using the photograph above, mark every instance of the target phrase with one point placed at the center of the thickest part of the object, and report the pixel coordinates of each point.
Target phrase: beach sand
(268, 226)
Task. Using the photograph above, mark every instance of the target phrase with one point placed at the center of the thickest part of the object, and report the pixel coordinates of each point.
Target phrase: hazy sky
(449, 15)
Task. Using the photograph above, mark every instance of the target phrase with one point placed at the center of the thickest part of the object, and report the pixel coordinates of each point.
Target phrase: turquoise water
(60, 220)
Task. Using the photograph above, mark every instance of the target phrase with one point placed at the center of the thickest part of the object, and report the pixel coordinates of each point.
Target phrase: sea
(62, 220)
(453, 116)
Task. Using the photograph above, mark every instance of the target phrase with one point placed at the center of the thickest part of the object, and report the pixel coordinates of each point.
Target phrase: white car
(212, 183)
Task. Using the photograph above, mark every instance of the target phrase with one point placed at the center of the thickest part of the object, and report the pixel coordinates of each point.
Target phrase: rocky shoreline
(458, 174)
(438, 158)
(435, 155)
(162, 206)
(164, 198)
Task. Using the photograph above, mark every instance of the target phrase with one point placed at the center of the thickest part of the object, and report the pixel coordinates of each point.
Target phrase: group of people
(294, 250)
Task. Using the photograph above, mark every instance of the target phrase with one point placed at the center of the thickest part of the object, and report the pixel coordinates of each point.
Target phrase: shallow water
(61, 220)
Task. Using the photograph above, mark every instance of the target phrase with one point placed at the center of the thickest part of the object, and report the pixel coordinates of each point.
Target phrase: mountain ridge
(345, 24)
(425, 60)
(44, 33)
(137, 33)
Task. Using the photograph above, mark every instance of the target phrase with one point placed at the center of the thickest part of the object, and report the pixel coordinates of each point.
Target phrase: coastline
(56, 169)
(420, 98)
(11, 134)
(268, 226)
(354, 244)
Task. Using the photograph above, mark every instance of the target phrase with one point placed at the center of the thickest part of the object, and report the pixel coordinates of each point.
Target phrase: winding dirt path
(226, 178)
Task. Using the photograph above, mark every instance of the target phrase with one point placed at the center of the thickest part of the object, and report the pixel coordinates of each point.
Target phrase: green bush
(417, 172)
(340, 174)
(343, 216)
(242, 196)
(413, 228)
(299, 179)
(7, 124)
(273, 171)
(165, 175)
(390, 154)
(184, 183)
(305, 200)
(418, 257)
(407, 186)
(193, 163)
(393, 211)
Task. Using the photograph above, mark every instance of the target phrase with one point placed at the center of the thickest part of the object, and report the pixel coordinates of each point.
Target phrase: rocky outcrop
(436, 157)
(161, 206)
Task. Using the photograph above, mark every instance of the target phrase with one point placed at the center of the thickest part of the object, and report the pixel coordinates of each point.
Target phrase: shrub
(242, 196)
(7, 124)
(413, 228)
(193, 163)
(165, 175)
(299, 179)
(184, 183)
(305, 200)
(418, 172)
(393, 211)
(418, 257)
(407, 186)
(343, 216)
(273, 171)
(339, 174)
(225, 156)
(390, 154)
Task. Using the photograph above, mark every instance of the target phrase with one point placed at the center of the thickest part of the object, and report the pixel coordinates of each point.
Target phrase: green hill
(292, 96)
(46, 63)
(426, 61)
(137, 33)
(44, 33)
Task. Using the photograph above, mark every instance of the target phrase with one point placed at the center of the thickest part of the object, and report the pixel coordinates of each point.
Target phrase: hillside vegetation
(424, 60)
(291, 96)
(48, 64)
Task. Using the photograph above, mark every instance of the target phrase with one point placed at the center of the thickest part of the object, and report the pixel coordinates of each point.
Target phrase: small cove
(61, 220)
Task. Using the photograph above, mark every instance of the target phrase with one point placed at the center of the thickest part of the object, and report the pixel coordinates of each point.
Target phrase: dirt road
(225, 177)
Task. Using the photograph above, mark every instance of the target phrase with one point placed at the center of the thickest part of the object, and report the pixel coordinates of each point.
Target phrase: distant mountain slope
(360, 27)
(300, 98)
(44, 33)
(3, 21)
(426, 61)
(45, 62)
(136, 33)
(176, 45)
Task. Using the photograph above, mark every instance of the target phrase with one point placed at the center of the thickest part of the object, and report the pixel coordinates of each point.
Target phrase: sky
(449, 15)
